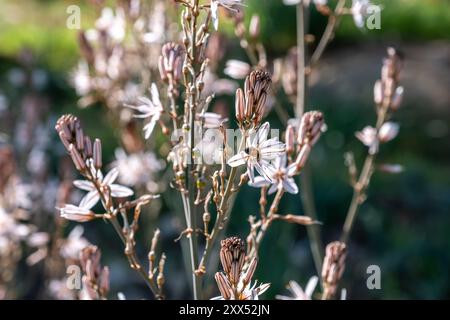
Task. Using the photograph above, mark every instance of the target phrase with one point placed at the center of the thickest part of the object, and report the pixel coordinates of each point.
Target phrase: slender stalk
(222, 213)
(306, 190)
(301, 52)
(363, 181)
(309, 206)
(191, 107)
(328, 34)
(358, 193)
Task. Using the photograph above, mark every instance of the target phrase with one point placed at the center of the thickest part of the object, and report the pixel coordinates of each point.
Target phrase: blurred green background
(404, 226)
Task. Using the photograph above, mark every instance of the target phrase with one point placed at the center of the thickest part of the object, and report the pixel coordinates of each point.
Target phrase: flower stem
(306, 190)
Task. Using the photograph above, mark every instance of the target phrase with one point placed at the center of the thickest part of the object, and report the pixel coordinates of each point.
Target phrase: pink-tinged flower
(237, 69)
(227, 4)
(281, 177)
(368, 136)
(297, 291)
(75, 213)
(388, 131)
(258, 153)
(92, 197)
(149, 108)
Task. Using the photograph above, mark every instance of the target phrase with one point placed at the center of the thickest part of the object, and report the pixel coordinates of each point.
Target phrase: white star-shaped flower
(282, 177)
(92, 197)
(149, 108)
(258, 153)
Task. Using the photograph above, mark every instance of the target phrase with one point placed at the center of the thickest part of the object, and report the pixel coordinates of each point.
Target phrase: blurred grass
(41, 25)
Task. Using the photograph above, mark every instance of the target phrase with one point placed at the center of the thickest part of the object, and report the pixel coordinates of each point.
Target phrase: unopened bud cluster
(86, 156)
(233, 281)
(299, 142)
(387, 93)
(250, 102)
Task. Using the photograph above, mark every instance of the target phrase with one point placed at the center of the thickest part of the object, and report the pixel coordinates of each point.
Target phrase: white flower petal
(312, 283)
(290, 186)
(155, 95)
(111, 176)
(238, 159)
(259, 182)
(90, 200)
(261, 134)
(148, 128)
(273, 188)
(84, 185)
(119, 191)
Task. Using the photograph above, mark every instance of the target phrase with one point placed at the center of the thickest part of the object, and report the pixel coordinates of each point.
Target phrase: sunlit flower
(228, 4)
(150, 108)
(92, 197)
(258, 153)
(297, 291)
(281, 178)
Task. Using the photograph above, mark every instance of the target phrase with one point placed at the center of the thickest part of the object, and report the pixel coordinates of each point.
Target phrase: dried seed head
(311, 127)
(333, 267)
(232, 257)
